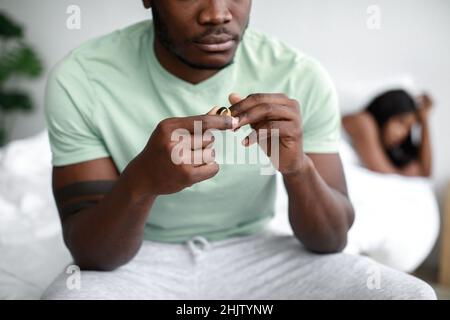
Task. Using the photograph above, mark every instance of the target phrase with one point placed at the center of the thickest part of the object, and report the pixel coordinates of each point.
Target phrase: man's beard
(162, 32)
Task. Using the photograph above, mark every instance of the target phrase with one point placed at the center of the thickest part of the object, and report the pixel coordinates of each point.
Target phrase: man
(140, 225)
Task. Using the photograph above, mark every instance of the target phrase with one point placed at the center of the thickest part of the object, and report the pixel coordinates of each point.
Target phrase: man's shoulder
(115, 50)
(112, 47)
(267, 50)
(115, 40)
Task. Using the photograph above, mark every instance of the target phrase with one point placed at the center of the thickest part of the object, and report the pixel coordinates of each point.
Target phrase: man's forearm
(319, 215)
(110, 233)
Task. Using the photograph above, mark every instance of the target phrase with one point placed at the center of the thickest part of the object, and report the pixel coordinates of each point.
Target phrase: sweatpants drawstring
(198, 245)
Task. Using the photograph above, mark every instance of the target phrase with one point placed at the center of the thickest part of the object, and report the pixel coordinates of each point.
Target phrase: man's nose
(215, 12)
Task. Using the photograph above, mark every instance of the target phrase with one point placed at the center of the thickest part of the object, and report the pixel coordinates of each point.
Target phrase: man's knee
(396, 285)
(372, 280)
(414, 289)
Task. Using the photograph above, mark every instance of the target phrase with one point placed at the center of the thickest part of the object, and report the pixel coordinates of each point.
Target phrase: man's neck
(179, 69)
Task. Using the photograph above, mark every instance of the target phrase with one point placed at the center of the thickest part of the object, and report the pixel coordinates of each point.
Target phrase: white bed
(397, 218)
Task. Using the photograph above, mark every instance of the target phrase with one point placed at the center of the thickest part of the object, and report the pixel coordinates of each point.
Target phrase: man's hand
(280, 115)
(160, 173)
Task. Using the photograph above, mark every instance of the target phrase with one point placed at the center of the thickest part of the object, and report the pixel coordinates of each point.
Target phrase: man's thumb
(234, 98)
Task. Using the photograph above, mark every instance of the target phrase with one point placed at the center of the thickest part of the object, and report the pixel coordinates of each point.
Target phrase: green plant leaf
(8, 28)
(3, 137)
(15, 101)
(20, 61)
(29, 63)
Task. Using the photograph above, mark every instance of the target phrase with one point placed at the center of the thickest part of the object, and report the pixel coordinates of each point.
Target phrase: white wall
(413, 40)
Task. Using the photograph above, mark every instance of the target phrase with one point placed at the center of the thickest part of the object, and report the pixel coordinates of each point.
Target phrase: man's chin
(208, 64)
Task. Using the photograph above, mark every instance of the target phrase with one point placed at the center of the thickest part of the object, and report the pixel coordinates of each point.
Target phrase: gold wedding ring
(223, 112)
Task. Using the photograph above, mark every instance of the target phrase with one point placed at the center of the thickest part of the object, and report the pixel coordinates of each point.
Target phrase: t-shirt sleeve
(68, 106)
(320, 110)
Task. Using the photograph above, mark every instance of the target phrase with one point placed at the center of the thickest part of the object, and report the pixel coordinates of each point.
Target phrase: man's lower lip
(216, 47)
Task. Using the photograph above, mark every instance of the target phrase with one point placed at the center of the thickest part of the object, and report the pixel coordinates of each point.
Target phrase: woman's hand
(426, 104)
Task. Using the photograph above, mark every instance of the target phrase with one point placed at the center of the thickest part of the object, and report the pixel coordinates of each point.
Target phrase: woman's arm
(365, 135)
(425, 155)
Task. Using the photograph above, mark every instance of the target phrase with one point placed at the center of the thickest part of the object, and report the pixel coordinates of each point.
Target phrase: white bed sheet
(32, 251)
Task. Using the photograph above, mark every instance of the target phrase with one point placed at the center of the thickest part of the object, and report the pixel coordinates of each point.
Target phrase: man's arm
(104, 214)
(320, 212)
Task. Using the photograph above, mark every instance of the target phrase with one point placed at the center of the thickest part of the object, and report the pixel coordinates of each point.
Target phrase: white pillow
(31, 247)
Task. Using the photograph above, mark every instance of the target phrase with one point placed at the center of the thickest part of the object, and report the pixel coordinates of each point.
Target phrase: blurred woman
(382, 134)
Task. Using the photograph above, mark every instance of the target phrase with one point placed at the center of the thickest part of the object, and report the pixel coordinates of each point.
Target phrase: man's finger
(198, 157)
(259, 98)
(201, 123)
(266, 112)
(266, 131)
(194, 141)
(199, 141)
(208, 155)
(234, 98)
(204, 172)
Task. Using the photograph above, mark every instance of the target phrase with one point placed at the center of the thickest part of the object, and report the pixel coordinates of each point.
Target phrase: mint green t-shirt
(106, 97)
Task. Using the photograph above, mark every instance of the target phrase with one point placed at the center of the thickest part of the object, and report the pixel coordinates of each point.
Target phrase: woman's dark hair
(390, 104)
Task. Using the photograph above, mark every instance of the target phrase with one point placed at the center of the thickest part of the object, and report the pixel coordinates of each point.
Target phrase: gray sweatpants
(265, 265)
